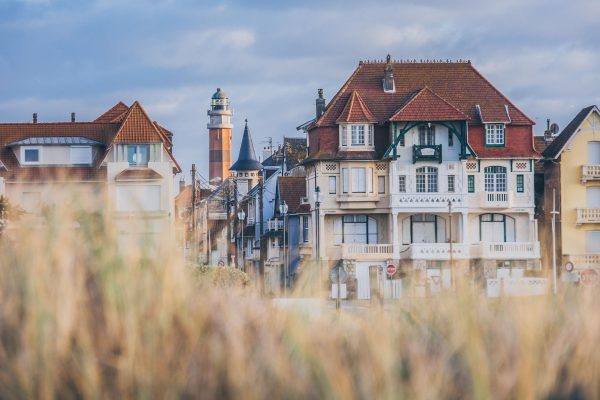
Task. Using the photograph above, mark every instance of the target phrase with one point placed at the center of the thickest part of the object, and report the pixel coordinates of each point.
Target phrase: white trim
(568, 142)
(40, 153)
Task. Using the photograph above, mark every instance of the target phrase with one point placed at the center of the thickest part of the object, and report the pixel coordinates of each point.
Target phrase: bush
(222, 277)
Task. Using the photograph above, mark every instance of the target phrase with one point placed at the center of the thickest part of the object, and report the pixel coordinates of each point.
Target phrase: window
(402, 183)
(31, 155)
(305, 231)
(358, 135)
(370, 135)
(495, 179)
(138, 198)
(81, 155)
(344, 135)
(401, 141)
(592, 241)
(450, 138)
(471, 183)
(427, 228)
(494, 135)
(359, 180)
(344, 180)
(355, 229)
(138, 154)
(427, 135)
(381, 184)
(451, 183)
(520, 183)
(496, 228)
(427, 180)
(332, 185)
(371, 180)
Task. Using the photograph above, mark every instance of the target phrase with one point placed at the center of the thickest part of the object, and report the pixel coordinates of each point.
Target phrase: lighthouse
(219, 137)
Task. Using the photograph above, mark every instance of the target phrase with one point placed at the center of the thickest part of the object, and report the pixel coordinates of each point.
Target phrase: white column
(395, 238)
(464, 228)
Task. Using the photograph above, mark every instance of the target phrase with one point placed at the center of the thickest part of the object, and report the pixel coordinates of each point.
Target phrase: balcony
(428, 200)
(435, 251)
(427, 153)
(506, 250)
(590, 173)
(367, 252)
(583, 261)
(588, 216)
(495, 199)
(275, 224)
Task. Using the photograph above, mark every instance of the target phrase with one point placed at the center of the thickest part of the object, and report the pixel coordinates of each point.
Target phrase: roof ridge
(59, 123)
(338, 94)
(136, 105)
(414, 61)
(445, 101)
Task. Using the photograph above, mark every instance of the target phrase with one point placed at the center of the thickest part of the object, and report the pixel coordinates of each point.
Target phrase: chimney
(181, 184)
(72, 117)
(320, 104)
(548, 132)
(388, 77)
(35, 118)
(267, 152)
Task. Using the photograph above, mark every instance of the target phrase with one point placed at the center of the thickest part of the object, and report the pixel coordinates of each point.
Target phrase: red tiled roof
(355, 110)
(427, 105)
(458, 83)
(115, 114)
(134, 174)
(291, 190)
(138, 128)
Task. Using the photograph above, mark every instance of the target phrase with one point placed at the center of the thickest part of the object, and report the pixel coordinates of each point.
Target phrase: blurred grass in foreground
(79, 318)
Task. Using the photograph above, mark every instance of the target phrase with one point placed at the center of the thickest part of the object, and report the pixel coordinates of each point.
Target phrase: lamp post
(283, 210)
(242, 216)
(318, 197)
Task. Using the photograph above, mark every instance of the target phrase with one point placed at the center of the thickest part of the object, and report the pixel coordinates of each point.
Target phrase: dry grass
(79, 319)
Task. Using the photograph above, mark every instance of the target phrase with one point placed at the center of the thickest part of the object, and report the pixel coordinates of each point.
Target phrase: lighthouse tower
(219, 137)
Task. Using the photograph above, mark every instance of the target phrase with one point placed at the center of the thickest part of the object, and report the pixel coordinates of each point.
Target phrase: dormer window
(81, 155)
(495, 135)
(356, 135)
(31, 155)
(138, 155)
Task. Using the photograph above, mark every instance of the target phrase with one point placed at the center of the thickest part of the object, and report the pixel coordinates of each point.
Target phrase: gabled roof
(247, 158)
(114, 114)
(291, 189)
(558, 145)
(355, 110)
(458, 83)
(137, 127)
(427, 105)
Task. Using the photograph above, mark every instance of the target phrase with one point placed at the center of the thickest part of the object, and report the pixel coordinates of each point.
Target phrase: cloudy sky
(58, 57)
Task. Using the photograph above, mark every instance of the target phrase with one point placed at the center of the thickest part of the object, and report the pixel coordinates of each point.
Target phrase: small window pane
(520, 183)
(32, 155)
(451, 183)
(332, 184)
(402, 183)
(471, 183)
(381, 184)
(345, 180)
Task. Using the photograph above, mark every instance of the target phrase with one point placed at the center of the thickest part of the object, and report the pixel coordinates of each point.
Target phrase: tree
(8, 212)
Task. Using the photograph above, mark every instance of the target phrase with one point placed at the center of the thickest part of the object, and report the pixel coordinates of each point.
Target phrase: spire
(247, 159)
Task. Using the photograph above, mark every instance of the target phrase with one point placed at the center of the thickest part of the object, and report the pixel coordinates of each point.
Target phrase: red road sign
(391, 269)
(589, 277)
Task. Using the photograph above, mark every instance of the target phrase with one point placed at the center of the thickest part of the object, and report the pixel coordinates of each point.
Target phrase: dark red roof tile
(427, 105)
(355, 110)
(114, 114)
(291, 190)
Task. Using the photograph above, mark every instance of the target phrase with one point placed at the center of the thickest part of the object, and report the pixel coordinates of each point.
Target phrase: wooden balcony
(506, 250)
(367, 252)
(590, 173)
(427, 153)
(588, 216)
(435, 251)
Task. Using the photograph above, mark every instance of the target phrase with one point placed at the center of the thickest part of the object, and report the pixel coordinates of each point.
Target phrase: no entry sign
(391, 269)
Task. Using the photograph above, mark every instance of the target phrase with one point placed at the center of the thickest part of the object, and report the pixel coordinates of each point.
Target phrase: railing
(582, 261)
(367, 251)
(516, 287)
(275, 224)
(590, 173)
(588, 216)
(506, 250)
(427, 153)
(429, 200)
(495, 200)
(435, 251)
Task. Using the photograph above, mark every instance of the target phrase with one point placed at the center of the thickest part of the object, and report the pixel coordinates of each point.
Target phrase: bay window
(355, 229)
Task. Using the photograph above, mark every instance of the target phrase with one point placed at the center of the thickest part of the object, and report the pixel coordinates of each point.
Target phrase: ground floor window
(427, 228)
(355, 229)
(496, 228)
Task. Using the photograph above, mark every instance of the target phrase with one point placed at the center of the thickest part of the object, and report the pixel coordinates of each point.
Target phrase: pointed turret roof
(247, 159)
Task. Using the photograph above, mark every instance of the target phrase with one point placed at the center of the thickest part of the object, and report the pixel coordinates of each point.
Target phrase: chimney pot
(72, 117)
(35, 118)
(320, 104)
(181, 184)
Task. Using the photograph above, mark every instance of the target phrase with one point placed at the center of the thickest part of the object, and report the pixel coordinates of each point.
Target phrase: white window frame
(332, 185)
(451, 183)
(381, 184)
(402, 183)
(137, 148)
(495, 134)
(345, 180)
(357, 135)
(344, 135)
(359, 185)
(39, 150)
(89, 148)
(427, 180)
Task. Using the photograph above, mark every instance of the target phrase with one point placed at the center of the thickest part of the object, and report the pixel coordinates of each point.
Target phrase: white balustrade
(495, 199)
(364, 251)
(428, 200)
(588, 216)
(506, 250)
(435, 251)
(590, 172)
(516, 287)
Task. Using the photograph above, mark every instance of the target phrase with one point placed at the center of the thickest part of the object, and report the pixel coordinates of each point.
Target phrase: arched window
(496, 228)
(495, 179)
(427, 179)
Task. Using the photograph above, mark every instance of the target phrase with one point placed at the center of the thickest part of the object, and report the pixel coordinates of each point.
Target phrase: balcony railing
(495, 200)
(362, 251)
(506, 250)
(427, 153)
(275, 224)
(435, 251)
(588, 216)
(516, 287)
(590, 173)
(429, 200)
(582, 261)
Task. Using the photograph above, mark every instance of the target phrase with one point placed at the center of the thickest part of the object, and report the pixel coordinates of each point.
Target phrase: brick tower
(219, 137)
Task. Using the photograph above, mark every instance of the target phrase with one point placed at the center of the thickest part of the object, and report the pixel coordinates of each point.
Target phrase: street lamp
(283, 210)
(318, 197)
(242, 216)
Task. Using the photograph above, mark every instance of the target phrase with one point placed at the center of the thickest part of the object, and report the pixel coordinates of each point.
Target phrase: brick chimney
(388, 77)
(72, 117)
(320, 103)
(35, 118)
(181, 184)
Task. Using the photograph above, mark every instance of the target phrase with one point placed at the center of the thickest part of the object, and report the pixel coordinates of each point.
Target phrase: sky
(270, 57)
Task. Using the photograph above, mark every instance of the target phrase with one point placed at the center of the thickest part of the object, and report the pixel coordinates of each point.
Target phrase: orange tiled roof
(355, 110)
(427, 105)
(138, 128)
(114, 114)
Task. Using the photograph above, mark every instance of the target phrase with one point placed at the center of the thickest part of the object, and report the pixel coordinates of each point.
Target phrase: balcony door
(593, 153)
(496, 228)
(427, 228)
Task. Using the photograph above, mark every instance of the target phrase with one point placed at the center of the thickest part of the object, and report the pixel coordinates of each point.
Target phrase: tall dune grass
(81, 319)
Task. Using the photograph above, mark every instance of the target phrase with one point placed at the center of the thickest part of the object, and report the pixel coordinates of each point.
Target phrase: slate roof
(54, 140)
(458, 83)
(246, 160)
(426, 105)
(557, 146)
